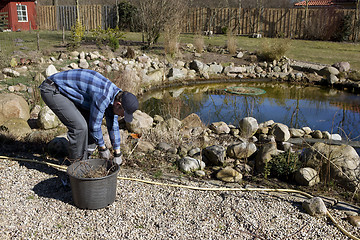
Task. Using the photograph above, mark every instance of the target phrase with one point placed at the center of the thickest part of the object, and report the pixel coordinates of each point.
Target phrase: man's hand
(117, 158)
(104, 153)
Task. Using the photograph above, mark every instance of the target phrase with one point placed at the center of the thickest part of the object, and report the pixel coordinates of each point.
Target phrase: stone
(332, 79)
(74, 54)
(215, 69)
(354, 220)
(59, 146)
(165, 147)
(220, 127)
(177, 73)
(192, 121)
(194, 152)
(17, 127)
(342, 66)
(47, 119)
(188, 164)
(335, 136)
(296, 133)
(248, 127)
(229, 175)
(74, 65)
(196, 65)
(145, 146)
(200, 173)
(281, 132)
(345, 162)
(83, 63)
(317, 134)
(141, 122)
(13, 106)
(326, 135)
(50, 70)
(214, 155)
(10, 72)
(307, 177)
(173, 124)
(315, 207)
(264, 155)
(82, 55)
(240, 55)
(241, 150)
(327, 71)
(234, 70)
(307, 130)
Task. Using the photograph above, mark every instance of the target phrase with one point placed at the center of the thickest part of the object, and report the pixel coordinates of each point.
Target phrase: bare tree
(154, 15)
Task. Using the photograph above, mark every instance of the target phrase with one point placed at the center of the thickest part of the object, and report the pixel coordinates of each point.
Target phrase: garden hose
(64, 168)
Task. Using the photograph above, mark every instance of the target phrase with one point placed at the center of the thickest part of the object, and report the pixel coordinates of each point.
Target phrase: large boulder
(243, 149)
(307, 177)
(47, 119)
(264, 155)
(59, 146)
(344, 162)
(192, 121)
(248, 127)
(13, 106)
(315, 206)
(188, 164)
(219, 127)
(17, 127)
(141, 122)
(281, 132)
(214, 155)
(229, 175)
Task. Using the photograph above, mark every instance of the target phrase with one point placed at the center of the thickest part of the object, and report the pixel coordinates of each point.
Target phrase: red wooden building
(21, 15)
(327, 3)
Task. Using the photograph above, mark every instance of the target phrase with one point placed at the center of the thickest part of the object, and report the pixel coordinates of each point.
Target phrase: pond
(297, 106)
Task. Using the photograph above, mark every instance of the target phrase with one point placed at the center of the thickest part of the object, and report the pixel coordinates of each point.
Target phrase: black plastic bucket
(94, 192)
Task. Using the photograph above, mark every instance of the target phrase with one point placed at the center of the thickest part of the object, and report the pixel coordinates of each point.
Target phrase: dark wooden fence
(294, 23)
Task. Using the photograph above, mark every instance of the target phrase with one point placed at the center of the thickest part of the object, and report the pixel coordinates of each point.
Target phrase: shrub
(344, 29)
(76, 35)
(273, 49)
(110, 37)
(127, 16)
(284, 165)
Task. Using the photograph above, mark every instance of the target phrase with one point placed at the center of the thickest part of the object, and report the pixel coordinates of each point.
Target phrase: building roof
(323, 3)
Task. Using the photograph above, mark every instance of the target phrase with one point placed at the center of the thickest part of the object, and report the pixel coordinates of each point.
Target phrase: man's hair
(119, 96)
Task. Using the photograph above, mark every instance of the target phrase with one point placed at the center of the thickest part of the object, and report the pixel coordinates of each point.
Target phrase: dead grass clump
(127, 80)
(273, 49)
(231, 43)
(199, 43)
(171, 42)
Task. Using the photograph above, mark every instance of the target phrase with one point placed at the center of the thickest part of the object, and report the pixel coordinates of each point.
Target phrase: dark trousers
(72, 117)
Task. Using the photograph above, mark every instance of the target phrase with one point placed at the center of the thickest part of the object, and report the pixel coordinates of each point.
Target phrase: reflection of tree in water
(295, 106)
(348, 110)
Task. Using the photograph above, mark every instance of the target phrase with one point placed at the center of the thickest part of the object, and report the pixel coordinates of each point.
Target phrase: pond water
(294, 105)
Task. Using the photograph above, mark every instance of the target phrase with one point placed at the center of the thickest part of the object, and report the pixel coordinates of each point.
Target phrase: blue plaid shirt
(93, 92)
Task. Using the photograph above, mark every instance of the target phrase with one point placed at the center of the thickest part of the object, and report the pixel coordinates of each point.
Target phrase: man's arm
(112, 125)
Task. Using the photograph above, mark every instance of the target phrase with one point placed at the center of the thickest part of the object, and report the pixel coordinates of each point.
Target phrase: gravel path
(35, 205)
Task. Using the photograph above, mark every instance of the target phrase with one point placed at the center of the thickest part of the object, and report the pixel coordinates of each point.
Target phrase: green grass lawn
(304, 50)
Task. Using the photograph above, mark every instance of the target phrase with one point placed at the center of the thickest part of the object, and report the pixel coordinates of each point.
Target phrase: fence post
(57, 16)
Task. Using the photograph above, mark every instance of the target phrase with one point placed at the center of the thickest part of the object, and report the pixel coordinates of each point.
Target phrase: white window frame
(21, 13)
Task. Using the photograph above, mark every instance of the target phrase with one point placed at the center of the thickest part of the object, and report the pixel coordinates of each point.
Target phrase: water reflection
(294, 105)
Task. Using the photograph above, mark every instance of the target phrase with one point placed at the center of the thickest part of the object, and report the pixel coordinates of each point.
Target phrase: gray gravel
(35, 205)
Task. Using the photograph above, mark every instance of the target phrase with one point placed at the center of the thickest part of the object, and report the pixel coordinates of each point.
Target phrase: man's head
(125, 104)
